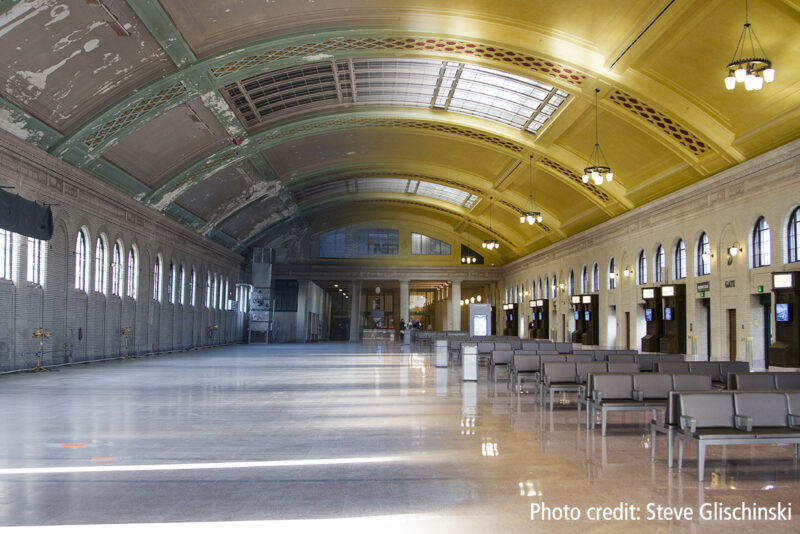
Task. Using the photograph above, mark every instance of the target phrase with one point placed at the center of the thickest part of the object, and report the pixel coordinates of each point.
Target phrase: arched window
(116, 271)
(181, 286)
(192, 288)
(208, 290)
(641, 272)
(571, 283)
(171, 283)
(215, 293)
(680, 260)
(546, 287)
(133, 269)
(595, 278)
(703, 255)
(791, 236)
(612, 274)
(6, 253)
(584, 280)
(35, 260)
(762, 244)
(80, 261)
(100, 266)
(554, 288)
(660, 263)
(227, 292)
(539, 292)
(157, 279)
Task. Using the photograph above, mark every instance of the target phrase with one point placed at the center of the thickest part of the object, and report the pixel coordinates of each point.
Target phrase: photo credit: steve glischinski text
(710, 511)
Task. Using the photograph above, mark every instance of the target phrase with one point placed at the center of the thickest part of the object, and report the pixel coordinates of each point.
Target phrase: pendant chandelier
(530, 215)
(753, 71)
(490, 244)
(468, 258)
(597, 166)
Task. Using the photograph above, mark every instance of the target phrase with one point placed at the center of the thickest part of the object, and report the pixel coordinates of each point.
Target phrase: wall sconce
(561, 286)
(472, 300)
(461, 302)
(627, 271)
(733, 251)
(478, 298)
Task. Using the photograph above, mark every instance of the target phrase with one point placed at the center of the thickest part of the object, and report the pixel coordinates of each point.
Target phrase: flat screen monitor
(577, 315)
(667, 314)
(587, 316)
(648, 314)
(783, 312)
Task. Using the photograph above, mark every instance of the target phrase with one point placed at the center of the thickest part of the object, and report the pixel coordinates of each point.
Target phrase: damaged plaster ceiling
(249, 121)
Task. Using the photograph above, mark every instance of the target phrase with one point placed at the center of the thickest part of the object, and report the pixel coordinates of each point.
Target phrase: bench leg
(680, 454)
(670, 448)
(796, 447)
(603, 414)
(652, 445)
(701, 460)
(551, 399)
(579, 416)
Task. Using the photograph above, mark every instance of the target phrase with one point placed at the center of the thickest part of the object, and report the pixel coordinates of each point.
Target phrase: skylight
(452, 195)
(421, 83)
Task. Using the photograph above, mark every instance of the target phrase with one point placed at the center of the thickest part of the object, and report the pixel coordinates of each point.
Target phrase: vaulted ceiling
(248, 120)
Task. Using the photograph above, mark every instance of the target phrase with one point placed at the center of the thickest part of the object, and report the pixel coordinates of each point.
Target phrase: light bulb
(749, 82)
(758, 82)
(585, 178)
(734, 251)
(472, 299)
(461, 302)
(598, 179)
(595, 176)
(740, 74)
(522, 219)
(609, 176)
(539, 218)
(730, 83)
(484, 245)
(769, 75)
(479, 298)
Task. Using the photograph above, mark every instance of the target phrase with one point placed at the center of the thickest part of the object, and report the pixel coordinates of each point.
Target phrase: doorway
(766, 303)
(611, 328)
(732, 335)
(702, 329)
(627, 330)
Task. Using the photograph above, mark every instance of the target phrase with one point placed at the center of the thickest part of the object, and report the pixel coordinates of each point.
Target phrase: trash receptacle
(469, 361)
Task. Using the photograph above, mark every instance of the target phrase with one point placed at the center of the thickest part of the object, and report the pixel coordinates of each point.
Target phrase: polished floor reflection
(338, 436)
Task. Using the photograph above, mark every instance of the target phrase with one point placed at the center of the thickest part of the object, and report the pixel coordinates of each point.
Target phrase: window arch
(35, 266)
(660, 264)
(641, 272)
(157, 279)
(192, 288)
(208, 290)
(116, 270)
(132, 274)
(792, 244)
(554, 288)
(80, 261)
(703, 255)
(171, 283)
(539, 291)
(571, 282)
(680, 260)
(546, 287)
(585, 280)
(761, 244)
(6, 253)
(612, 274)
(182, 285)
(595, 278)
(100, 265)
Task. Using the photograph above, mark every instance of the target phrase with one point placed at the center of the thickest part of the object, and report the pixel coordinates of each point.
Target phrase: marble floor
(341, 437)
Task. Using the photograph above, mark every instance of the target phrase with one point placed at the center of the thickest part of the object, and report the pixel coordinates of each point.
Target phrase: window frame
(660, 264)
(35, 265)
(100, 270)
(641, 268)
(80, 261)
(792, 235)
(612, 274)
(131, 274)
(703, 247)
(680, 260)
(761, 244)
(157, 279)
(116, 270)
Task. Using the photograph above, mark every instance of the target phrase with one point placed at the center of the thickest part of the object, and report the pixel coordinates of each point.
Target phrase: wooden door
(732, 335)
(627, 330)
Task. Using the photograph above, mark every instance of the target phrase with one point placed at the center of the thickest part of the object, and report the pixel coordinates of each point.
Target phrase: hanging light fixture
(468, 258)
(753, 71)
(597, 166)
(530, 216)
(490, 244)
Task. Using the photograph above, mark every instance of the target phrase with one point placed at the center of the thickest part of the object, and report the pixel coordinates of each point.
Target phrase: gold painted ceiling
(250, 120)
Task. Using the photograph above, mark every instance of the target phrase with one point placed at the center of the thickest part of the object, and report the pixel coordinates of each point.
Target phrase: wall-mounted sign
(648, 293)
(730, 283)
(587, 299)
(532, 304)
(703, 287)
(540, 303)
(782, 280)
(668, 291)
(576, 299)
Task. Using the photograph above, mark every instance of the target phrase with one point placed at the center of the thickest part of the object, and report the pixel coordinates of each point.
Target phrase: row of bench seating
(737, 417)
(764, 381)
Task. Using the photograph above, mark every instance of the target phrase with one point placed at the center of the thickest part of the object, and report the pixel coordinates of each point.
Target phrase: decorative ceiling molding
(670, 127)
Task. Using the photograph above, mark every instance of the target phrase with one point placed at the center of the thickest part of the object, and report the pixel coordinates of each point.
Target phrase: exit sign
(760, 289)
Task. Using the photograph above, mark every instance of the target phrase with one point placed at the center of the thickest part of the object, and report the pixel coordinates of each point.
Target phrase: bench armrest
(581, 392)
(793, 420)
(637, 395)
(579, 379)
(743, 422)
(597, 396)
(688, 423)
(547, 380)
